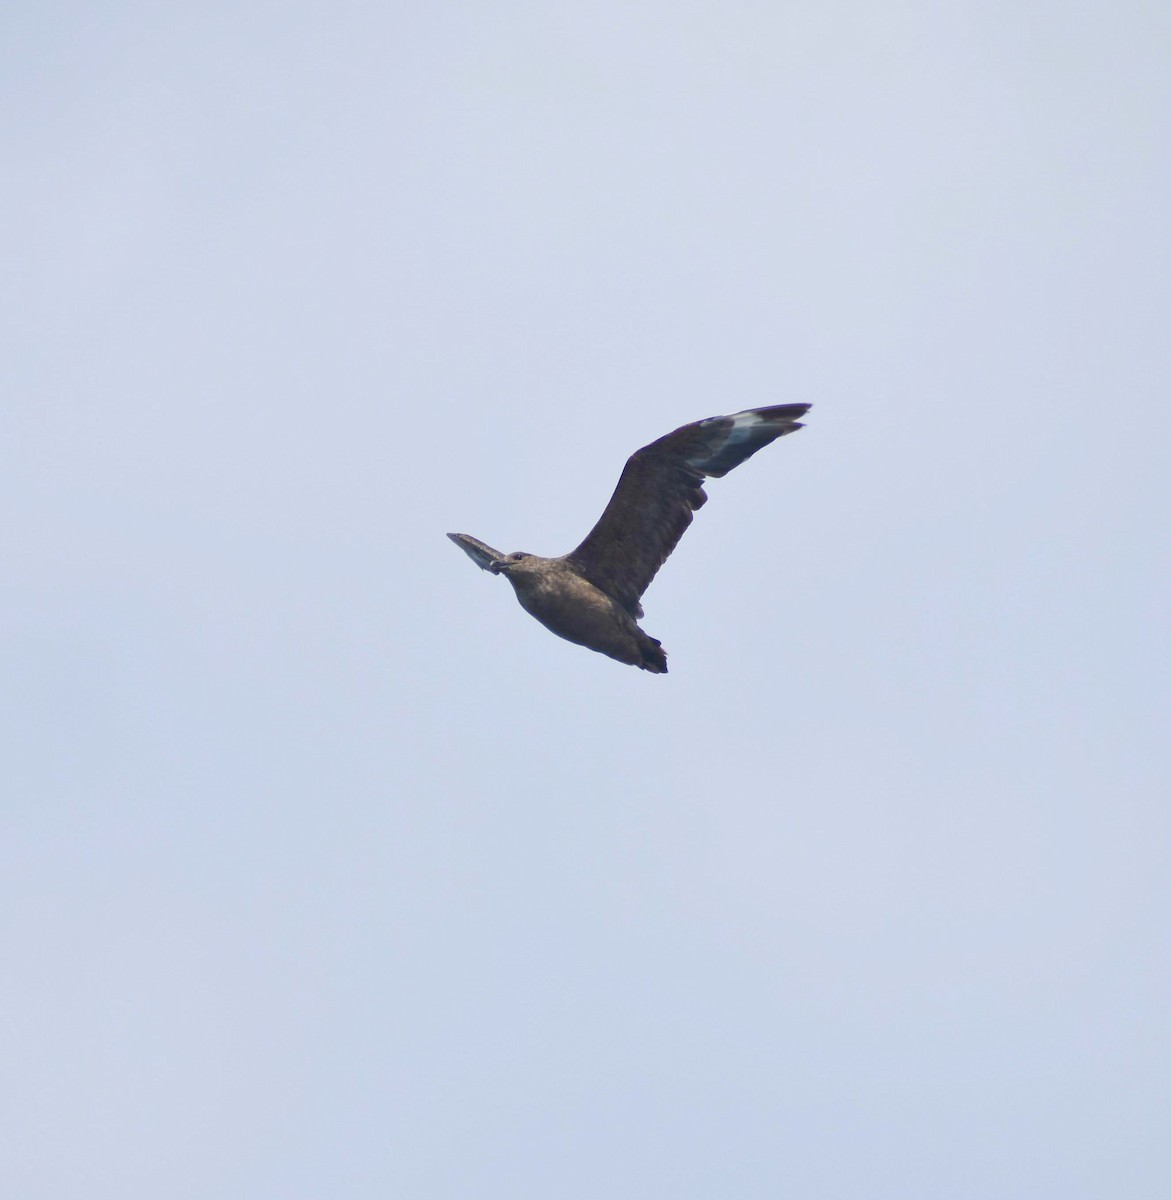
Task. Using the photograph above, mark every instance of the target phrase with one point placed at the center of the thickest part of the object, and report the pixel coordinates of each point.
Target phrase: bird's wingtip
(481, 554)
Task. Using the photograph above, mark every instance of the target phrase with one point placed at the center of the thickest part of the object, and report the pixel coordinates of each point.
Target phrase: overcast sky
(327, 872)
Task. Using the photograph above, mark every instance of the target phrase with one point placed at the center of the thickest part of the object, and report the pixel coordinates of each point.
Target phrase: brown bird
(591, 595)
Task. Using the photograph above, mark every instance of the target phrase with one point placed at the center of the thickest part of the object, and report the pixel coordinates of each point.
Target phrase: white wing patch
(742, 425)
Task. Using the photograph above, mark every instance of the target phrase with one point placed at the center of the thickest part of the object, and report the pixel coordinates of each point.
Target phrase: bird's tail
(654, 657)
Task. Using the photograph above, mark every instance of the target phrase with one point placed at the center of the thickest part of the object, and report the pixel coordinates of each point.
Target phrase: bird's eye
(519, 554)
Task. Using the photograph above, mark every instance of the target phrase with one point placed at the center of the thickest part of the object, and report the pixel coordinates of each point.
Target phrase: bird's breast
(569, 606)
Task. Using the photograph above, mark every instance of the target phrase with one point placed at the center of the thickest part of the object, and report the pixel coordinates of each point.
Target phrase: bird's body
(591, 595)
(570, 606)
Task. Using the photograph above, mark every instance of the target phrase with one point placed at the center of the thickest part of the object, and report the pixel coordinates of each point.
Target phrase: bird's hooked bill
(481, 554)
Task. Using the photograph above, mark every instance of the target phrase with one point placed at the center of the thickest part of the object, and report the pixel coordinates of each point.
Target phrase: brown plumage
(591, 595)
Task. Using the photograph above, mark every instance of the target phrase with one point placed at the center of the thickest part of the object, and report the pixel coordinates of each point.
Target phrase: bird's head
(513, 563)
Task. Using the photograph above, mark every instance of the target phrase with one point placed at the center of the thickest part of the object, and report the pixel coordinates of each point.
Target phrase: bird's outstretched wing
(660, 487)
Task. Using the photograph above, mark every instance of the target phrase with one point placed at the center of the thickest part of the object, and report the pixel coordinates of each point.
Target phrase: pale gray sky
(324, 870)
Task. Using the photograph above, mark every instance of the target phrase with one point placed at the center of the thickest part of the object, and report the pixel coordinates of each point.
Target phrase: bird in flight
(591, 595)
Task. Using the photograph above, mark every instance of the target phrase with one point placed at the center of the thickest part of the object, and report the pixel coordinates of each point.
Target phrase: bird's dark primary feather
(659, 489)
